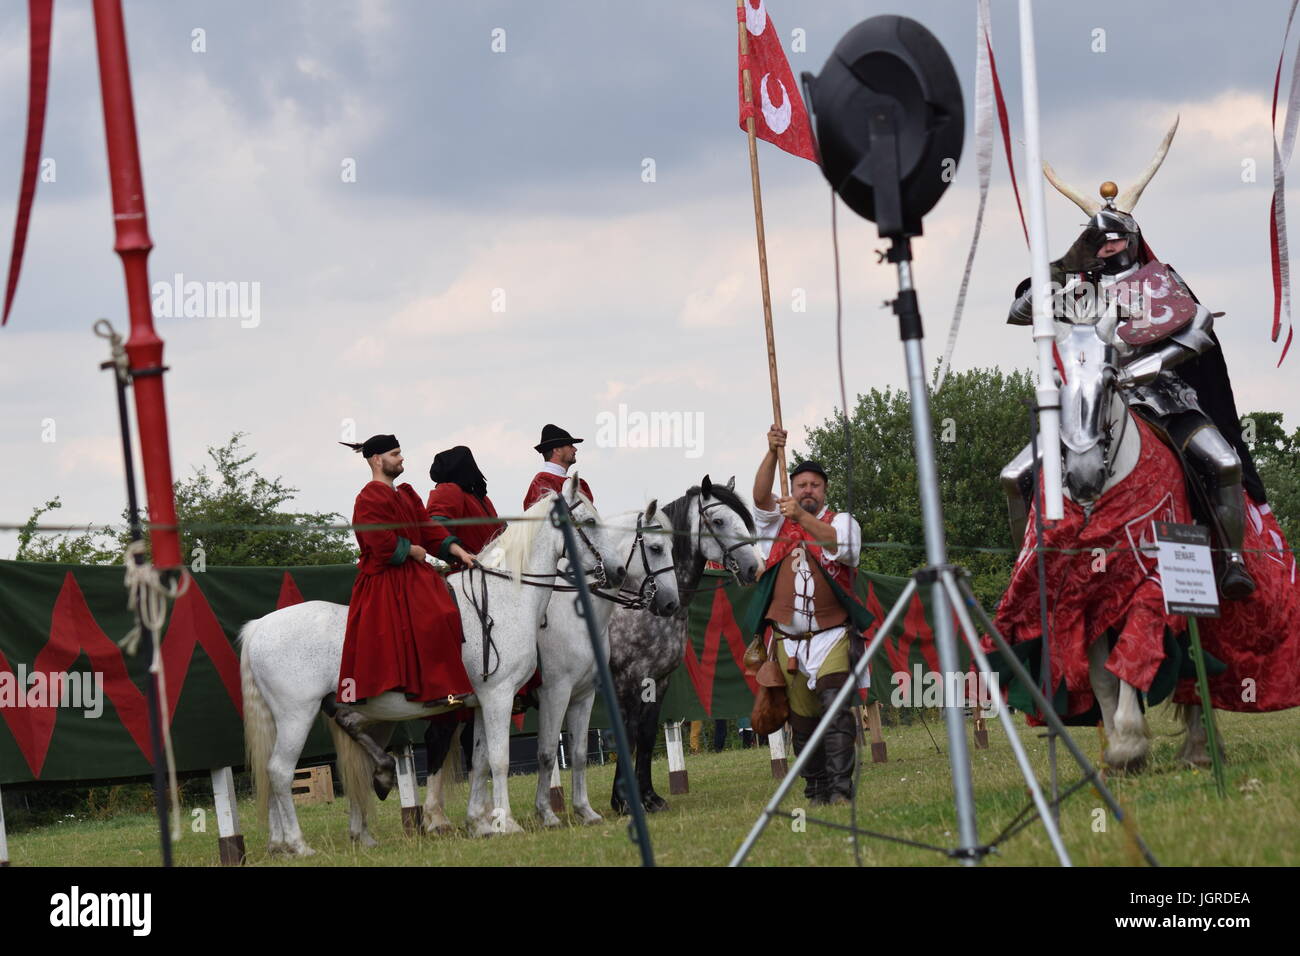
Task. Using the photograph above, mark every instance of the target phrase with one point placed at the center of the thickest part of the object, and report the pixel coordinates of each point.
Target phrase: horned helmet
(1109, 219)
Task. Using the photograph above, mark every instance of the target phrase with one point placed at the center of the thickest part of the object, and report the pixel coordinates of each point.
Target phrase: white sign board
(1186, 569)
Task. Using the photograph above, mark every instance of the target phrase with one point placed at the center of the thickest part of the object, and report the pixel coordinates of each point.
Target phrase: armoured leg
(839, 741)
(814, 770)
(353, 724)
(1215, 457)
(1016, 485)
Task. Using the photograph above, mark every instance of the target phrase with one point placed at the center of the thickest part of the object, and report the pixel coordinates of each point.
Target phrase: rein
(1109, 442)
(478, 596)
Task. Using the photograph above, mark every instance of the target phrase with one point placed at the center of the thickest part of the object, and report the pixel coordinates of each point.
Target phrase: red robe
(1256, 639)
(403, 627)
(544, 481)
(1086, 597)
(449, 500)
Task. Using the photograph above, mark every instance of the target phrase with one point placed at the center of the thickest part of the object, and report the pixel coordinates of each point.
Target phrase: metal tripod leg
(793, 774)
(970, 602)
(982, 664)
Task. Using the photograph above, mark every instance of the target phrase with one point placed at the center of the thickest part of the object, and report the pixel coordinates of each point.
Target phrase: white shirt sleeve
(848, 534)
(766, 525)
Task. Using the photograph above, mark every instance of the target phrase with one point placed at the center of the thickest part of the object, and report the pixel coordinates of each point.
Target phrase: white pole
(678, 780)
(4, 840)
(230, 842)
(557, 783)
(1049, 419)
(776, 744)
(406, 790)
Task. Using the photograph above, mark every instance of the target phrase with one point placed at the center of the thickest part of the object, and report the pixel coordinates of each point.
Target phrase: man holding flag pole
(780, 117)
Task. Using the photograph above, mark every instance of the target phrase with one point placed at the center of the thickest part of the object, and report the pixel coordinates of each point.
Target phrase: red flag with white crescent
(777, 108)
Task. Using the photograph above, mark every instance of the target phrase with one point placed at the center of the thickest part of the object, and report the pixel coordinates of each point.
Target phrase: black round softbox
(889, 86)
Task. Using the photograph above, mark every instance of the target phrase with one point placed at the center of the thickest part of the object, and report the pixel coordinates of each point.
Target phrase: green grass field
(1177, 812)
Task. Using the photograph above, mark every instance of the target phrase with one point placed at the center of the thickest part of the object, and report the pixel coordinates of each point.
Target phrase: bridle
(728, 559)
(601, 578)
(646, 593)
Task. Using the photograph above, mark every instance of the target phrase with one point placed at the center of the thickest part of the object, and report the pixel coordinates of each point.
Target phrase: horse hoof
(588, 816)
(365, 839)
(384, 780)
(549, 819)
(1126, 764)
(653, 803)
(439, 827)
(290, 849)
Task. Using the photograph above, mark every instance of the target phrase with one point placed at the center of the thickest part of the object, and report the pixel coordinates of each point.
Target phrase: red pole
(143, 348)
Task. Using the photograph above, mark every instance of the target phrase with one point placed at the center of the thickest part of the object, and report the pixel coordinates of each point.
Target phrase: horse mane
(510, 549)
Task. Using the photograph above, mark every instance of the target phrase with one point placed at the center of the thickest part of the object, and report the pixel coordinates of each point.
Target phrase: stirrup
(1236, 583)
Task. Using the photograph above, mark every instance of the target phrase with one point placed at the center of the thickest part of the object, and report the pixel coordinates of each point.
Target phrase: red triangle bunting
(289, 593)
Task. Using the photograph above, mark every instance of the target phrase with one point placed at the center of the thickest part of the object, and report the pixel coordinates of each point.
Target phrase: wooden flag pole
(762, 249)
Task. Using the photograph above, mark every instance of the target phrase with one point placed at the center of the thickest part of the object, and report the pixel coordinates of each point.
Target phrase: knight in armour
(1169, 361)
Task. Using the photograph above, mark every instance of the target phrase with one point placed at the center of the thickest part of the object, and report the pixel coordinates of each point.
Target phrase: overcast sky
(498, 262)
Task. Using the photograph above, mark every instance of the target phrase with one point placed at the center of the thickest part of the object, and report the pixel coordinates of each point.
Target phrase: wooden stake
(879, 752)
(762, 254)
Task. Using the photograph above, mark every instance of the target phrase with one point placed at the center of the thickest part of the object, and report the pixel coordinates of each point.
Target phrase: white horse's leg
(435, 816)
(494, 713)
(435, 813)
(477, 809)
(1130, 744)
(553, 700)
(579, 720)
(291, 734)
(1105, 685)
(1196, 748)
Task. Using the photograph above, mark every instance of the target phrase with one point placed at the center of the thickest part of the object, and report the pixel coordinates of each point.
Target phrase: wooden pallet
(313, 785)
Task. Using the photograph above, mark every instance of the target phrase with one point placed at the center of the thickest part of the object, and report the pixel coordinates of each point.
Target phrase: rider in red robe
(403, 628)
(557, 448)
(461, 493)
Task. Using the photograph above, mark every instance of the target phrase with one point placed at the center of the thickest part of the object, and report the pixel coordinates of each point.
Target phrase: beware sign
(1186, 570)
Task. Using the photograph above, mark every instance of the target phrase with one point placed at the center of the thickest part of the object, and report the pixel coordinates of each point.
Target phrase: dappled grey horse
(710, 523)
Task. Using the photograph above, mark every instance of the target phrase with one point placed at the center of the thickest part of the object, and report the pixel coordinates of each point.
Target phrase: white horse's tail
(259, 724)
(356, 769)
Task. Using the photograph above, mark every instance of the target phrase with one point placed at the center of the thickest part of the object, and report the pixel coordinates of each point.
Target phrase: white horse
(290, 663)
(568, 664)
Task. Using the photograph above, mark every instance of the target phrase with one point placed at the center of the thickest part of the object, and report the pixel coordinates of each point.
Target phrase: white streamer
(984, 163)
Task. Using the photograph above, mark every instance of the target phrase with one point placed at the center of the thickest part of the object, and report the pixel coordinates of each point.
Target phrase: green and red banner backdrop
(66, 620)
